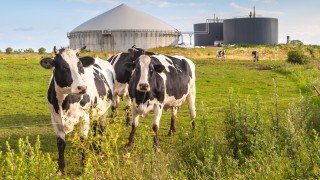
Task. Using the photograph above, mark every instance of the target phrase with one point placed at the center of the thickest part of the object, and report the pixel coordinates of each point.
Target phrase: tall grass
(250, 148)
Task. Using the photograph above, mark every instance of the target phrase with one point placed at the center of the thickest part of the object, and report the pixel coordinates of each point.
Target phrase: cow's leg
(83, 153)
(156, 124)
(191, 100)
(61, 144)
(115, 105)
(83, 137)
(172, 129)
(134, 125)
(128, 104)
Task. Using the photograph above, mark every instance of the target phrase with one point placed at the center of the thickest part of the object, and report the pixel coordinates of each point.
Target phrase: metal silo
(255, 30)
(206, 34)
(120, 28)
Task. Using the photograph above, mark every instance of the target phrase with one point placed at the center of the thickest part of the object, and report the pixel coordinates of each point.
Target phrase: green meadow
(255, 120)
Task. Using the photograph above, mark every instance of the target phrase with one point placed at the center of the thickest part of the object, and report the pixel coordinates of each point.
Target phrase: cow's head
(136, 52)
(145, 72)
(68, 70)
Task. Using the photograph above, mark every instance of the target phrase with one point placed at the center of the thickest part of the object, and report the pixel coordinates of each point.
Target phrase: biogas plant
(117, 30)
(240, 30)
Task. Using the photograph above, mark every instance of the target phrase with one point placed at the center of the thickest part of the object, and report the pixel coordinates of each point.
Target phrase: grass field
(24, 111)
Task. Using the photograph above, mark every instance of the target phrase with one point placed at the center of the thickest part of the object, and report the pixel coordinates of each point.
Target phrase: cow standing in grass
(160, 82)
(77, 85)
(123, 76)
(255, 55)
(221, 54)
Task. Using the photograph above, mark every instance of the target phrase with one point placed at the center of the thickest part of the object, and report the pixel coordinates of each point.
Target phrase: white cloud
(95, 1)
(23, 29)
(153, 3)
(89, 12)
(163, 4)
(265, 1)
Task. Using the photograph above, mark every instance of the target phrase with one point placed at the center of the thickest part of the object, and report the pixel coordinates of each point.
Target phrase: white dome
(124, 17)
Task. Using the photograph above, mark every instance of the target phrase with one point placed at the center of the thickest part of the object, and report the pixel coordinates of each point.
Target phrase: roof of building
(124, 17)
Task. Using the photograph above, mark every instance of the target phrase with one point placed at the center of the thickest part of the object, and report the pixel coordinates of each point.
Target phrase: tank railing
(216, 20)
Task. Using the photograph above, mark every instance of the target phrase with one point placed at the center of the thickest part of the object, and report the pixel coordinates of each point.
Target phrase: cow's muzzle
(143, 87)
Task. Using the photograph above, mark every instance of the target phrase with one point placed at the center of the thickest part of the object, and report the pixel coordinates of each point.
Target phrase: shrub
(42, 50)
(28, 162)
(296, 57)
(30, 50)
(9, 50)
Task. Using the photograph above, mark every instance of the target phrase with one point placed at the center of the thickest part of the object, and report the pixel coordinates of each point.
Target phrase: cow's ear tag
(87, 61)
(47, 63)
(159, 68)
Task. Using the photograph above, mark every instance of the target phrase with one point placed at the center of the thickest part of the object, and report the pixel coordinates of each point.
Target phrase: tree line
(10, 50)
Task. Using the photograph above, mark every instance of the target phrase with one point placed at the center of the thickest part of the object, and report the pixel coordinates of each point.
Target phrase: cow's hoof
(60, 172)
(128, 145)
(156, 148)
(170, 133)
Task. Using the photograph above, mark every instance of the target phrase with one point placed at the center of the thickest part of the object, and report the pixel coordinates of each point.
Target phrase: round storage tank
(206, 34)
(120, 28)
(250, 31)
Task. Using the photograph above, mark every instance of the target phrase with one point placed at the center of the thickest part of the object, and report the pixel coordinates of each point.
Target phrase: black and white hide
(255, 55)
(159, 82)
(221, 54)
(123, 75)
(77, 85)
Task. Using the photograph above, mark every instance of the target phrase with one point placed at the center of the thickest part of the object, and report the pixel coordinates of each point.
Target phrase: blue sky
(45, 23)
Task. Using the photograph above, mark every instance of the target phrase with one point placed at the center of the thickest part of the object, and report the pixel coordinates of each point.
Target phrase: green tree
(30, 50)
(296, 42)
(297, 57)
(9, 50)
(42, 50)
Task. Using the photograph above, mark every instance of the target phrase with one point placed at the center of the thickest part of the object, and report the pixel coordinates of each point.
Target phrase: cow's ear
(47, 63)
(159, 68)
(87, 61)
(129, 66)
(132, 51)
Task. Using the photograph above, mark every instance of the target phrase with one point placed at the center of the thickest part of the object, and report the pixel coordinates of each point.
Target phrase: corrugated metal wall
(122, 40)
(205, 34)
(250, 31)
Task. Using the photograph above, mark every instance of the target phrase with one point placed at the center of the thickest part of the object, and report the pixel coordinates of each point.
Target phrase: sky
(45, 23)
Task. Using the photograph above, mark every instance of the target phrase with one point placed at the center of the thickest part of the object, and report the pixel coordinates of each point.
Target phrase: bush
(42, 50)
(296, 57)
(9, 50)
(30, 50)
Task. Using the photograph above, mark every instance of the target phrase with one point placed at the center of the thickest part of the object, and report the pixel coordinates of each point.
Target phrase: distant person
(221, 54)
(255, 55)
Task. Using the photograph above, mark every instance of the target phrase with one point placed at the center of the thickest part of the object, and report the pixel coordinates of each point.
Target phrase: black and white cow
(159, 82)
(123, 75)
(255, 55)
(221, 54)
(77, 85)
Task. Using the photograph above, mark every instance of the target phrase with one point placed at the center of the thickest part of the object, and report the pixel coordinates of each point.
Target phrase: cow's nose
(143, 86)
(82, 89)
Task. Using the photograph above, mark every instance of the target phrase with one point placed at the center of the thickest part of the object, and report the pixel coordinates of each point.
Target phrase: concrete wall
(205, 34)
(122, 40)
(250, 31)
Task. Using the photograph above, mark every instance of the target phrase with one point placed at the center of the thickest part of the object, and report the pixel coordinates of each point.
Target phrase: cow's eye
(151, 71)
(65, 68)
